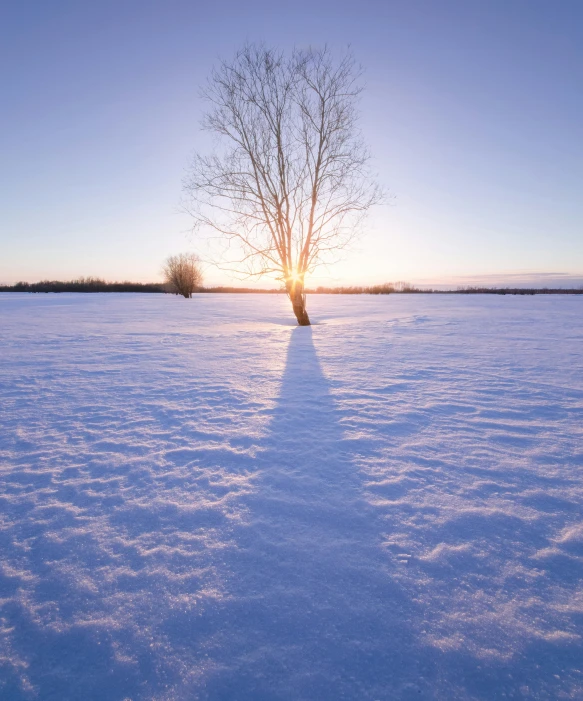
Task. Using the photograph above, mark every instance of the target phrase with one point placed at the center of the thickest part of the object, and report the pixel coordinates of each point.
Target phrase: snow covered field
(199, 500)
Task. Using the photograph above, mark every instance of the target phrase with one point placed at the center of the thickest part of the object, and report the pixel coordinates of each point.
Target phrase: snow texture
(200, 500)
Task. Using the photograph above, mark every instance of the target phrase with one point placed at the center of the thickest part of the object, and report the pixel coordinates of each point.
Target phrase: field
(201, 501)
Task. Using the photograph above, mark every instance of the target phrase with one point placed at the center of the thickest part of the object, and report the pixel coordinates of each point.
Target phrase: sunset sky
(473, 112)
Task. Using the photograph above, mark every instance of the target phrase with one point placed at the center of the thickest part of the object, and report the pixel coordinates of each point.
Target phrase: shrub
(183, 274)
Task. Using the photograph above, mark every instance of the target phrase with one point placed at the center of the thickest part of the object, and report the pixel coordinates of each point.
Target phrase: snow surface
(200, 500)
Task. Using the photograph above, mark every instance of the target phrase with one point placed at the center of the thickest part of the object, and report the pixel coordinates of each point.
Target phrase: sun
(294, 276)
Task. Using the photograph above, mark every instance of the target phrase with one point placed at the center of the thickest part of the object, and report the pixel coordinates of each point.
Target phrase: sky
(472, 111)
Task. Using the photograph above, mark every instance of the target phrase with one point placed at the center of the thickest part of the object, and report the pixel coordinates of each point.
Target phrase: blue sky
(472, 111)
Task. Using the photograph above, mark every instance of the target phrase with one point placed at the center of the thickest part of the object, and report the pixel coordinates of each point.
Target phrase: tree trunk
(295, 291)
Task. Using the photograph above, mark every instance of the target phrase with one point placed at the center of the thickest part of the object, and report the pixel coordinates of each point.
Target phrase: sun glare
(294, 276)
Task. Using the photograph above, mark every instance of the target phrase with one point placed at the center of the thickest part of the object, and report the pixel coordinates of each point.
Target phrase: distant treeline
(384, 289)
(91, 284)
(517, 291)
(239, 290)
(83, 284)
(406, 288)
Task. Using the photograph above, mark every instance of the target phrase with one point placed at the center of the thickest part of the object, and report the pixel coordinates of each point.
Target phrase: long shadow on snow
(312, 611)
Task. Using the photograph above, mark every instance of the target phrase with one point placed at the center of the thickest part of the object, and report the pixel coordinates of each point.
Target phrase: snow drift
(201, 501)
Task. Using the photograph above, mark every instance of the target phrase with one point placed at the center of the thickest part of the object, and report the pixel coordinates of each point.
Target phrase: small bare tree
(291, 182)
(183, 273)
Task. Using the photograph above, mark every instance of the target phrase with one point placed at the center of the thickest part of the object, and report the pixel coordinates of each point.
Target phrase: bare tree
(183, 273)
(290, 182)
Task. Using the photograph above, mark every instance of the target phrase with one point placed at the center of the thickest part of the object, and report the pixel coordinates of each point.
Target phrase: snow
(200, 500)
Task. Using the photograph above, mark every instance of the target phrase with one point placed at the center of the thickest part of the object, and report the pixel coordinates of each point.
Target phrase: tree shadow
(313, 610)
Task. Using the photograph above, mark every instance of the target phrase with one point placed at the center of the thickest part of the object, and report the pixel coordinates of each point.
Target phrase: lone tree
(290, 182)
(183, 274)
